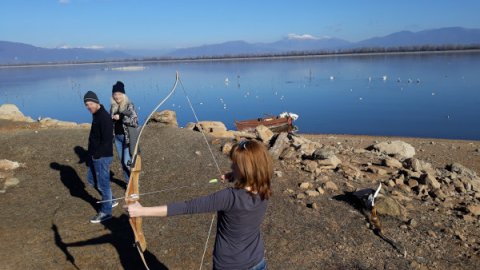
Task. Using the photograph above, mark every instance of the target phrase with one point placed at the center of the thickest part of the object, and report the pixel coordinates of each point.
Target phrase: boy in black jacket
(100, 150)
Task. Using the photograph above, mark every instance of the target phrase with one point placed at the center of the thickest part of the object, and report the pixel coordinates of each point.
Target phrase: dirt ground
(45, 218)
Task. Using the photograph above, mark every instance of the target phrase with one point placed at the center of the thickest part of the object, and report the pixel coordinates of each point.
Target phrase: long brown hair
(255, 167)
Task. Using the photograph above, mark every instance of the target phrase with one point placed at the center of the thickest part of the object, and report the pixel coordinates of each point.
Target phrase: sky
(157, 24)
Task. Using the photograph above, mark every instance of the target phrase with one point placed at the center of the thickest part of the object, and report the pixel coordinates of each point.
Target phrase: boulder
(350, 171)
(281, 143)
(289, 153)
(309, 165)
(312, 193)
(398, 149)
(225, 134)
(474, 209)
(430, 180)
(330, 186)
(190, 126)
(392, 163)
(330, 163)
(323, 154)
(264, 133)
(166, 118)
(211, 126)
(418, 165)
(11, 112)
(462, 170)
(8, 165)
(389, 206)
(49, 123)
(305, 185)
(376, 170)
(309, 148)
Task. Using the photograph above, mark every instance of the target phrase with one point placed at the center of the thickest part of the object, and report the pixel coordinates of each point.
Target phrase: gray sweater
(239, 244)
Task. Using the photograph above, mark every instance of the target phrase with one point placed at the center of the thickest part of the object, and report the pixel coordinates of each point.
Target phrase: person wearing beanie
(125, 122)
(100, 151)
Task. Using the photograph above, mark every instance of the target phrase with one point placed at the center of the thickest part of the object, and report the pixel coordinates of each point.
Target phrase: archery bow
(131, 194)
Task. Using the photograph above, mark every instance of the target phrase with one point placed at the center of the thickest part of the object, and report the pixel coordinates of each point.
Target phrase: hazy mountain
(442, 36)
(242, 47)
(18, 53)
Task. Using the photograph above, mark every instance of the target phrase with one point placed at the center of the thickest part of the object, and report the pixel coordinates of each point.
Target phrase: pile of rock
(12, 113)
(7, 178)
(165, 118)
(411, 176)
(309, 156)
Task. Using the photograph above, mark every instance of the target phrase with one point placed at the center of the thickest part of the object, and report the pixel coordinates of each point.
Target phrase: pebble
(305, 185)
(312, 193)
(330, 186)
(412, 222)
(432, 233)
(312, 205)
(300, 196)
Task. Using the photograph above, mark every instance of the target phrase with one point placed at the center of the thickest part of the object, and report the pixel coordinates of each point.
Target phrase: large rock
(466, 175)
(430, 180)
(323, 154)
(309, 148)
(329, 163)
(264, 133)
(389, 206)
(211, 126)
(418, 165)
(462, 170)
(8, 165)
(474, 209)
(281, 143)
(11, 112)
(49, 123)
(397, 149)
(224, 134)
(392, 163)
(166, 118)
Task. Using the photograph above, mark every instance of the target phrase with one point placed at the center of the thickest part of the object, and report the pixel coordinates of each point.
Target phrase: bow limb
(133, 183)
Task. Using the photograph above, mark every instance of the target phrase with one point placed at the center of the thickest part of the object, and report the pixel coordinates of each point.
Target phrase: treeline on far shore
(306, 53)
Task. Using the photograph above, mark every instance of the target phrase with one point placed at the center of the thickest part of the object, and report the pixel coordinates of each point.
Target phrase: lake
(417, 95)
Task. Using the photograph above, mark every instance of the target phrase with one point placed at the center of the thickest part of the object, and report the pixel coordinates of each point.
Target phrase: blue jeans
(262, 265)
(123, 154)
(98, 175)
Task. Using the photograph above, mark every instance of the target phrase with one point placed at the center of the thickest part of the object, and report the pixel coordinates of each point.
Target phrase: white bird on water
(384, 77)
(332, 78)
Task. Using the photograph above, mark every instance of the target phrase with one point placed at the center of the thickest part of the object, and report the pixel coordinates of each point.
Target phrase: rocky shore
(429, 202)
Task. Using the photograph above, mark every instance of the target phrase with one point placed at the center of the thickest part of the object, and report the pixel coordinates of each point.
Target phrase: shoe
(114, 204)
(100, 217)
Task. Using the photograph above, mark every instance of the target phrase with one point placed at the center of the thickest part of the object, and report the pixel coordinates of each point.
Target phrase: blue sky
(148, 24)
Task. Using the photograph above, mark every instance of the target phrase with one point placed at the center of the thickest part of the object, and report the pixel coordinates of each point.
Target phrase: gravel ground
(45, 224)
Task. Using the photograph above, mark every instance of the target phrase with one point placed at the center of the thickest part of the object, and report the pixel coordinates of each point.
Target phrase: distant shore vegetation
(287, 54)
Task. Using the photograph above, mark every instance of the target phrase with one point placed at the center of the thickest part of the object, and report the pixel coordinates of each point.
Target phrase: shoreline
(233, 59)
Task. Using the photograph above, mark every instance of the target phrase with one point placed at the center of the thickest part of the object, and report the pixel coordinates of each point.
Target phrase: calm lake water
(428, 95)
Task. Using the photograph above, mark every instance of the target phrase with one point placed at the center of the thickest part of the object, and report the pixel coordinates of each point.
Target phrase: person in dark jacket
(240, 209)
(100, 150)
(125, 120)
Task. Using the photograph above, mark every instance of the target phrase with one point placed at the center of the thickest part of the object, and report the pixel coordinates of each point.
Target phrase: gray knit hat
(91, 96)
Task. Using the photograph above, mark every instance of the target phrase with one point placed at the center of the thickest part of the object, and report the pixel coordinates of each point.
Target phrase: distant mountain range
(442, 36)
(18, 53)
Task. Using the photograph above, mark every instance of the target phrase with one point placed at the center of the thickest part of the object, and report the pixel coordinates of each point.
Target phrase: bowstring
(214, 160)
